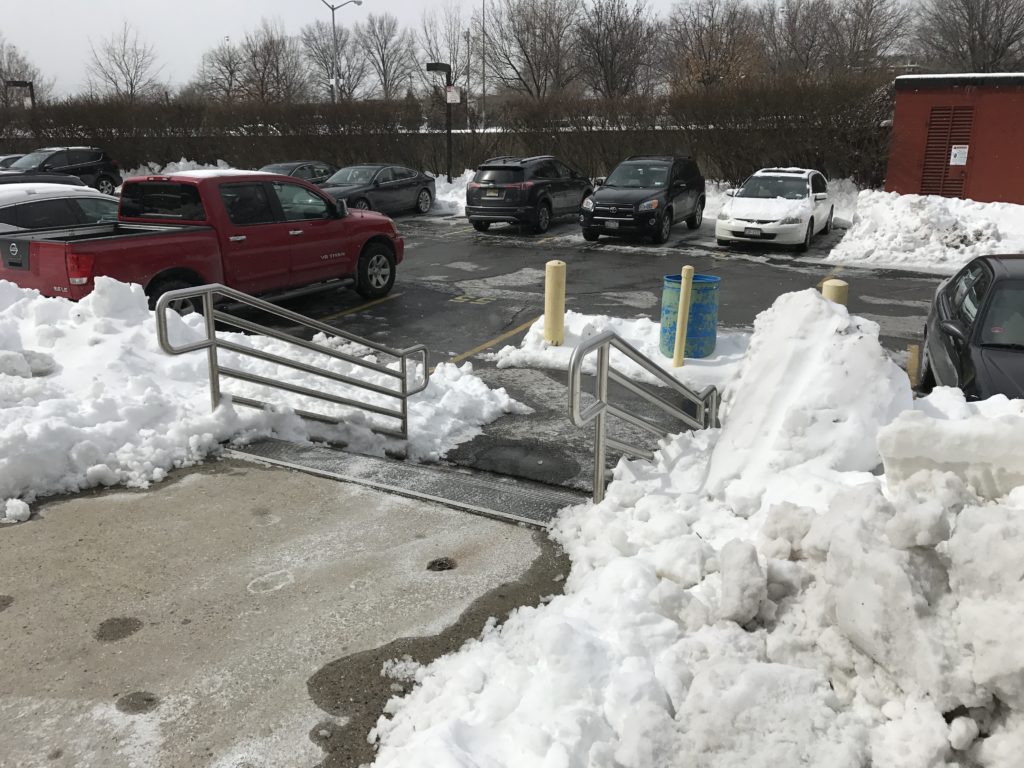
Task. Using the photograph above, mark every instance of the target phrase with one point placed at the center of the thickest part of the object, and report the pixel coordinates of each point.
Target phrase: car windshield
(639, 175)
(1004, 322)
(354, 174)
(31, 160)
(768, 187)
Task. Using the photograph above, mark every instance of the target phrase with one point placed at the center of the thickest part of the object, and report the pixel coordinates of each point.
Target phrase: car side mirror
(955, 329)
(46, 167)
(730, 193)
(600, 180)
(821, 196)
(338, 209)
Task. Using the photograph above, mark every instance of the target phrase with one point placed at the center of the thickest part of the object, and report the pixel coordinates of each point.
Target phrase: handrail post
(603, 359)
(211, 350)
(405, 398)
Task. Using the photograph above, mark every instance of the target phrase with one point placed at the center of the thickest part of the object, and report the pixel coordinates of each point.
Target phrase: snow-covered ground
(533, 352)
(763, 595)
(87, 397)
(927, 232)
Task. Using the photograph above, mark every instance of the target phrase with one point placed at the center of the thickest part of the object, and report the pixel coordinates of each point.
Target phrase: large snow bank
(451, 198)
(642, 333)
(925, 232)
(87, 397)
(849, 621)
(153, 169)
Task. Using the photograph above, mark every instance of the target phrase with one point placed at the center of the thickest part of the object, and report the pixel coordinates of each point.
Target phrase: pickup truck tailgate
(38, 265)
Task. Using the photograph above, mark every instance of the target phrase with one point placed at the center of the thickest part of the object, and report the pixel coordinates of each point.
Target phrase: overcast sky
(55, 34)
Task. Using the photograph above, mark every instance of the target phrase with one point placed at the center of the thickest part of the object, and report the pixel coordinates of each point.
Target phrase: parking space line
(495, 340)
(360, 308)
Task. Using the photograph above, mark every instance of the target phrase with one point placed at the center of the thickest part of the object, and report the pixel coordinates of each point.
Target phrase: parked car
(45, 206)
(645, 195)
(256, 232)
(382, 187)
(525, 190)
(974, 336)
(17, 177)
(782, 206)
(93, 166)
(6, 160)
(313, 171)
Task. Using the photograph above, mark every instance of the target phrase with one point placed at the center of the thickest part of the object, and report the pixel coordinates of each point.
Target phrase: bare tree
(864, 32)
(14, 66)
(442, 37)
(710, 42)
(390, 52)
(220, 74)
(616, 40)
(795, 35)
(973, 35)
(124, 67)
(274, 70)
(353, 68)
(530, 46)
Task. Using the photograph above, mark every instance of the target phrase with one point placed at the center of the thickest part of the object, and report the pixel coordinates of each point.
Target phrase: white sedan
(783, 206)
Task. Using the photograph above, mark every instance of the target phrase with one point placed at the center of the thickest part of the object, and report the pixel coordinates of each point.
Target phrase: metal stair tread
(485, 493)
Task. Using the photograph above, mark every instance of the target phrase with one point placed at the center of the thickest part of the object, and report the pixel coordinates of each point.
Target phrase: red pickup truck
(259, 233)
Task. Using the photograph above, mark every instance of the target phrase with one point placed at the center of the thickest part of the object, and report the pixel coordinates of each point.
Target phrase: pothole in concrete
(441, 564)
(118, 628)
(138, 702)
(5, 602)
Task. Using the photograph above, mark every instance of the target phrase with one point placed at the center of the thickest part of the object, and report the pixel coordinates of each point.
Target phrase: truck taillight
(472, 185)
(79, 268)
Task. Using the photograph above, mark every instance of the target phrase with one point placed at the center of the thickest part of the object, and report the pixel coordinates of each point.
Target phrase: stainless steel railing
(705, 403)
(213, 344)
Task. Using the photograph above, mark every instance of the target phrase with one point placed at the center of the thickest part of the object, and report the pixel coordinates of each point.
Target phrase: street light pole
(334, 47)
(483, 64)
(435, 66)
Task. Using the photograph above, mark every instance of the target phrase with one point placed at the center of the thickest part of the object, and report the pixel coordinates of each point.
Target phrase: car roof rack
(659, 157)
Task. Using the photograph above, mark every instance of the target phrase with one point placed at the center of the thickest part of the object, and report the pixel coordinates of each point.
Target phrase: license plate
(752, 232)
(611, 225)
(492, 193)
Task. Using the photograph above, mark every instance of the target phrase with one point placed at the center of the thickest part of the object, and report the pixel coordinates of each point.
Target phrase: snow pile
(156, 169)
(838, 620)
(642, 333)
(451, 198)
(930, 233)
(87, 397)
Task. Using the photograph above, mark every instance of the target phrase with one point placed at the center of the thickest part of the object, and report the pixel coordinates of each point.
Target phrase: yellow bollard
(835, 290)
(683, 317)
(914, 364)
(554, 303)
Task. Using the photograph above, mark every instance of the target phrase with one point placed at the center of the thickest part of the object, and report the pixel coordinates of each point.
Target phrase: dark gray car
(313, 171)
(382, 187)
(974, 337)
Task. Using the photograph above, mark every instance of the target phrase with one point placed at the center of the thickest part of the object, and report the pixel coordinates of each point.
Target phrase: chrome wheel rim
(543, 218)
(699, 217)
(362, 205)
(378, 271)
(666, 227)
(424, 201)
(106, 186)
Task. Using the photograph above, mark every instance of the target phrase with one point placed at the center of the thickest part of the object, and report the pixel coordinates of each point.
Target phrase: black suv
(524, 190)
(645, 195)
(91, 165)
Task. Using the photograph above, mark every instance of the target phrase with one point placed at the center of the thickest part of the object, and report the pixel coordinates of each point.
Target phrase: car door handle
(237, 238)
(294, 232)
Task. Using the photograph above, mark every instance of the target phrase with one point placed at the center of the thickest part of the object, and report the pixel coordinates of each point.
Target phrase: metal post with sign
(450, 94)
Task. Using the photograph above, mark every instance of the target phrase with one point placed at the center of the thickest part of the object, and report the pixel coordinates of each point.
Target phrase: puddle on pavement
(137, 702)
(112, 630)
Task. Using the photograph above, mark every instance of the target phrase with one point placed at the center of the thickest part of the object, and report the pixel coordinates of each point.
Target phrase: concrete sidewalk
(236, 616)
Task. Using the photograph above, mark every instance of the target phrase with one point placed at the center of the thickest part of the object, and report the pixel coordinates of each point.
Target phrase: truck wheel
(376, 273)
(481, 226)
(183, 306)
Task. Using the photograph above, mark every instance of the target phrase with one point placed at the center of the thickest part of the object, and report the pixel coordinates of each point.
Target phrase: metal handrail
(705, 402)
(212, 343)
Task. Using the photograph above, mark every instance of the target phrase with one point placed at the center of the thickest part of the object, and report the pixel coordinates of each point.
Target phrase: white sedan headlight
(649, 205)
(588, 204)
(791, 220)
